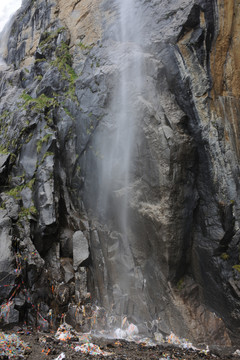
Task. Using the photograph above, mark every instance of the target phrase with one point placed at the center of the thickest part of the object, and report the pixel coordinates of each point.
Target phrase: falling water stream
(117, 157)
(7, 9)
(117, 144)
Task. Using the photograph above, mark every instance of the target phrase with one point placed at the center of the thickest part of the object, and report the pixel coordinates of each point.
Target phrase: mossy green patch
(180, 284)
(48, 153)
(85, 47)
(64, 64)
(39, 60)
(224, 256)
(15, 192)
(47, 37)
(43, 140)
(236, 267)
(3, 150)
(40, 103)
(28, 212)
(38, 77)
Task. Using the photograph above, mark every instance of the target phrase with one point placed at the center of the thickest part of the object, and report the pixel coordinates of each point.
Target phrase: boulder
(80, 249)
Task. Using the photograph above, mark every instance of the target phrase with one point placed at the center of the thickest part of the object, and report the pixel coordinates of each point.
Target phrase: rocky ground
(43, 346)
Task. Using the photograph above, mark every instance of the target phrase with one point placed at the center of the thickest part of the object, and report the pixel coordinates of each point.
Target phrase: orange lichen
(225, 70)
(223, 41)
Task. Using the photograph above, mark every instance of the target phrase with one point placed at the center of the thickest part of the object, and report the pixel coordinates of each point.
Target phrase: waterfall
(7, 9)
(117, 153)
(116, 144)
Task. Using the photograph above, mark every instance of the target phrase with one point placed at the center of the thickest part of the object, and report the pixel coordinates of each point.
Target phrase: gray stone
(66, 242)
(68, 270)
(52, 260)
(27, 197)
(81, 291)
(84, 225)
(80, 249)
(3, 160)
(63, 294)
(8, 314)
(6, 242)
(12, 206)
(74, 316)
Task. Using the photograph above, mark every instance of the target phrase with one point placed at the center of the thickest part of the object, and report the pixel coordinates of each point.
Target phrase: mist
(7, 9)
(117, 152)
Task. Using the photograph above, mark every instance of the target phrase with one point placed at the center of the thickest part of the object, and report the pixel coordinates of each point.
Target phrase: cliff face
(179, 265)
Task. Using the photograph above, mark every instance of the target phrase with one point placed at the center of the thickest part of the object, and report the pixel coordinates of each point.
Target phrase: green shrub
(236, 267)
(224, 256)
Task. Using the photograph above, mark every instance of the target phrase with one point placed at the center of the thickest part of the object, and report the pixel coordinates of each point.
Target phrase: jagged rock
(7, 276)
(74, 316)
(63, 294)
(68, 270)
(84, 225)
(57, 116)
(66, 243)
(81, 291)
(3, 167)
(3, 160)
(27, 197)
(80, 248)
(11, 205)
(53, 262)
(8, 314)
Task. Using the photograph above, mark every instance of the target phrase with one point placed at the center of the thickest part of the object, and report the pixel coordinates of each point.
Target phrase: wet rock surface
(182, 259)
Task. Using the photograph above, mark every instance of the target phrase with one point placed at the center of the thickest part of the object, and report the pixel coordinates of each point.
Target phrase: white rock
(132, 330)
(120, 334)
(60, 357)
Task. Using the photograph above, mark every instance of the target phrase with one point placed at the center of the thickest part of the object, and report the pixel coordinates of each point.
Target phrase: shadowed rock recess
(177, 264)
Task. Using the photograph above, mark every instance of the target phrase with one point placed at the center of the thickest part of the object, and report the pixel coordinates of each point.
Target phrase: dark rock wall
(215, 226)
(180, 265)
